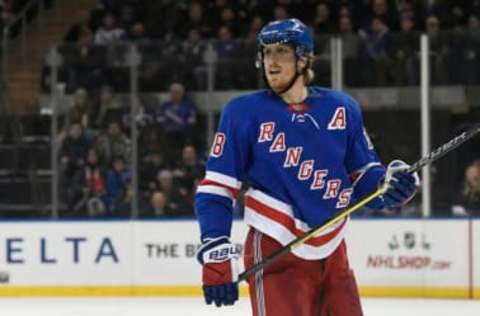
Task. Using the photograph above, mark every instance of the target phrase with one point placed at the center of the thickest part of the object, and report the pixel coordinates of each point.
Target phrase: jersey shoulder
(245, 104)
(336, 99)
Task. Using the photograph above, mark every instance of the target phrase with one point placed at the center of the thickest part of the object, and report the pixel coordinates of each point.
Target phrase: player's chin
(277, 86)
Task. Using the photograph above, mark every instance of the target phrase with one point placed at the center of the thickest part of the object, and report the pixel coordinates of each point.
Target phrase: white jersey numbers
(218, 144)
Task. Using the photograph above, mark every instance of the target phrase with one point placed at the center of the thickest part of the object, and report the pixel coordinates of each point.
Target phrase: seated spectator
(151, 164)
(351, 47)
(227, 49)
(376, 44)
(467, 201)
(322, 22)
(473, 50)
(80, 110)
(382, 10)
(177, 117)
(88, 191)
(158, 206)
(122, 206)
(114, 143)
(190, 170)
(107, 108)
(73, 152)
(109, 33)
(179, 199)
(404, 53)
(137, 34)
(196, 20)
(85, 65)
(194, 49)
(438, 50)
(280, 12)
(118, 179)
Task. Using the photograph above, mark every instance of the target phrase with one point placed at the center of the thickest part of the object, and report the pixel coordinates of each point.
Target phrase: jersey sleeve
(225, 171)
(362, 162)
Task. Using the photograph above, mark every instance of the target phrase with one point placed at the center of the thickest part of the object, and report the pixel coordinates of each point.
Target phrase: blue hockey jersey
(302, 163)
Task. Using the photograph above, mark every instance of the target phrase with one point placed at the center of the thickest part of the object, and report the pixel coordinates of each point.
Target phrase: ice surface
(194, 306)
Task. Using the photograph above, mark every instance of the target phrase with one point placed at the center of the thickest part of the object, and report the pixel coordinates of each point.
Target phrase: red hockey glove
(220, 273)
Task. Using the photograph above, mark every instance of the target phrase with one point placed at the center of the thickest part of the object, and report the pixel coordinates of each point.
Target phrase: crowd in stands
(380, 43)
(95, 156)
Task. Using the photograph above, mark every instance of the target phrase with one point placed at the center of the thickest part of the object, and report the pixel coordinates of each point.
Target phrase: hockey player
(305, 155)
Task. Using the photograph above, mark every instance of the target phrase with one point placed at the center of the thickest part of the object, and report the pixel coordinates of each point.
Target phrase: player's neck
(297, 93)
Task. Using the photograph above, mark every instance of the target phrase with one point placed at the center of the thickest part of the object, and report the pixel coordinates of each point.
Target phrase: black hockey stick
(431, 157)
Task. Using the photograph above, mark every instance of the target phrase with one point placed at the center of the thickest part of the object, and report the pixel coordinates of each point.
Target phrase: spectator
(88, 191)
(158, 206)
(149, 168)
(114, 143)
(77, 33)
(194, 49)
(80, 110)
(404, 52)
(137, 34)
(376, 44)
(73, 152)
(108, 108)
(473, 50)
(180, 200)
(280, 12)
(197, 20)
(190, 169)
(177, 117)
(85, 65)
(467, 201)
(351, 47)
(227, 53)
(109, 33)
(438, 50)
(322, 22)
(123, 203)
(228, 18)
(118, 179)
(382, 10)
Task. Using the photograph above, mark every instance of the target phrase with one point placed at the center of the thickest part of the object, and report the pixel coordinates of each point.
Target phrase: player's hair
(307, 71)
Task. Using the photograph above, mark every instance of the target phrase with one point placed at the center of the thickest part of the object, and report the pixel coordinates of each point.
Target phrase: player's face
(279, 63)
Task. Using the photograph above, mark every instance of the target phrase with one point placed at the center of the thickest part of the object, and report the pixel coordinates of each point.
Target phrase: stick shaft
(430, 158)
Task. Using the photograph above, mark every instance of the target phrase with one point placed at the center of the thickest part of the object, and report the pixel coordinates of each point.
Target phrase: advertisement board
(165, 251)
(405, 257)
(65, 253)
(475, 252)
(436, 258)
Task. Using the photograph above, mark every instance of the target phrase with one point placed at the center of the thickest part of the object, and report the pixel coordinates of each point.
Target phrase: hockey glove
(401, 185)
(220, 273)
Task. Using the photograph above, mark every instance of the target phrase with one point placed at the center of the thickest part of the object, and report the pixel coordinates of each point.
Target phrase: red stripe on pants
(292, 286)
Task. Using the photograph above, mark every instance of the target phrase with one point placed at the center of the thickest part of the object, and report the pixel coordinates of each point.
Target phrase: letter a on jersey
(339, 119)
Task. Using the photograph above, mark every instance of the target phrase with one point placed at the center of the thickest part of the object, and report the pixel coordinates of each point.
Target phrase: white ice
(195, 307)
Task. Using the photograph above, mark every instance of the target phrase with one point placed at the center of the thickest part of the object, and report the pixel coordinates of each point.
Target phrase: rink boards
(415, 258)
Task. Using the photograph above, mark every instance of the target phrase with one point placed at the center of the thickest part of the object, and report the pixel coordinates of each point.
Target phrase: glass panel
(383, 75)
(95, 148)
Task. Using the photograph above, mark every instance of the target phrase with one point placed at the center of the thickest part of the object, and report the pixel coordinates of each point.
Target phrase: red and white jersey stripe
(219, 184)
(276, 219)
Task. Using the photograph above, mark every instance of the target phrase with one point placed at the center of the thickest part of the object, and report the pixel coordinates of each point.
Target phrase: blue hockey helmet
(288, 31)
